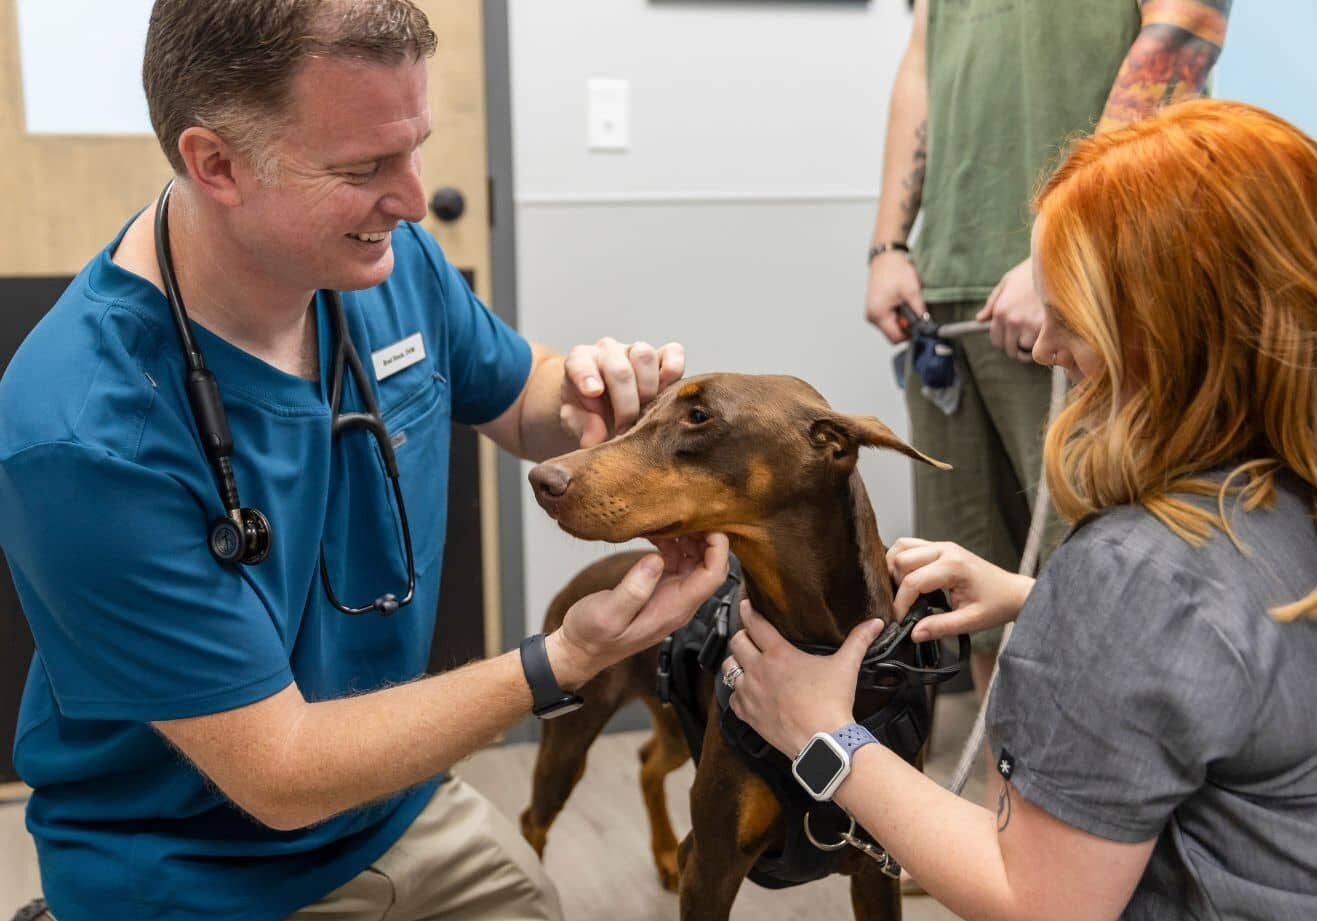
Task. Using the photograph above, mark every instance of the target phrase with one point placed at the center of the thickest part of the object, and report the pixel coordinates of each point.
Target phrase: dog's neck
(817, 569)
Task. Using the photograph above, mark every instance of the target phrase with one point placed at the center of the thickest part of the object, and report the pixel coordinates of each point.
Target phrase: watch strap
(545, 691)
(852, 737)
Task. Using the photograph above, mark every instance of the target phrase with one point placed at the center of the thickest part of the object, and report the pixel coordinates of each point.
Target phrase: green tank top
(1009, 82)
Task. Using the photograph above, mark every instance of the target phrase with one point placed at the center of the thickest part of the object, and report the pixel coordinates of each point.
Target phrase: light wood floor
(598, 851)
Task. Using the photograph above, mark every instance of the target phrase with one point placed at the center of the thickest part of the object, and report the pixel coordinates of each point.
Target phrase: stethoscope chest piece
(248, 544)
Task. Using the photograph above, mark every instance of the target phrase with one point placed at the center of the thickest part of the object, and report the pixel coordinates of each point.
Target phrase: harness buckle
(665, 670)
(715, 644)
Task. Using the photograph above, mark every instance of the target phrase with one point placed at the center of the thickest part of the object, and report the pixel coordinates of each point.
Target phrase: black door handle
(448, 204)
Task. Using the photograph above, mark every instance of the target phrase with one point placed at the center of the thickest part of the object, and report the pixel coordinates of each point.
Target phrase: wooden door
(65, 196)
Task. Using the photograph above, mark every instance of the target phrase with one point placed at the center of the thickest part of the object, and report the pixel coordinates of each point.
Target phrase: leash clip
(887, 864)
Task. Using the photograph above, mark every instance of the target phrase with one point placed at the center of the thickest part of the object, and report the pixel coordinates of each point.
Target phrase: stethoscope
(244, 536)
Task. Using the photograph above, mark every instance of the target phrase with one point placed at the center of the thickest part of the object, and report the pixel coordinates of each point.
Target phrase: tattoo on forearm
(914, 182)
(1176, 49)
(1004, 807)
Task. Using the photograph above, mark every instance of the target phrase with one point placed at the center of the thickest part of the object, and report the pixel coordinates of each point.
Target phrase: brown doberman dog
(766, 460)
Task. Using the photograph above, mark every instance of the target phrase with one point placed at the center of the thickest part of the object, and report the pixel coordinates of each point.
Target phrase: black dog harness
(815, 833)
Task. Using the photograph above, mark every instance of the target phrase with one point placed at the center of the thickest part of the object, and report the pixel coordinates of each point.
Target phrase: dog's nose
(549, 480)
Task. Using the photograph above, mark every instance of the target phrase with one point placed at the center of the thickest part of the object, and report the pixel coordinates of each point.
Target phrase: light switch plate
(608, 106)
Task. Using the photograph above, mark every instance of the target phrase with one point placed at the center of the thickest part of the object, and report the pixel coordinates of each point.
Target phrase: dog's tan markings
(689, 391)
(625, 500)
(757, 813)
(759, 482)
(751, 544)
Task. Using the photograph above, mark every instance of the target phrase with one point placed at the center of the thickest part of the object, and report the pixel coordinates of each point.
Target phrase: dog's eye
(697, 416)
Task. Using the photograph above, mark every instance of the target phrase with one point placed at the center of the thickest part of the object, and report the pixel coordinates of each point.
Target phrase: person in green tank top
(986, 97)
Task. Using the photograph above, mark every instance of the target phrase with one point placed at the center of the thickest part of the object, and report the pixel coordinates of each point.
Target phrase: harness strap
(698, 647)
(879, 670)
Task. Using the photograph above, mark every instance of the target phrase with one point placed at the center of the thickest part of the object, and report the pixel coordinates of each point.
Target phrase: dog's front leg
(734, 817)
(875, 897)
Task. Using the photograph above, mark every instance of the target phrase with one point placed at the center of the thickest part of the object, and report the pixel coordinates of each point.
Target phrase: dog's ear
(843, 435)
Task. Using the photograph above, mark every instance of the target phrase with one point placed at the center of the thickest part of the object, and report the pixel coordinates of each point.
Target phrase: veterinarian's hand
(1016, 313)
(788, 695)
(982, 595)
(893, 281)
(606, 385)
(659, 594)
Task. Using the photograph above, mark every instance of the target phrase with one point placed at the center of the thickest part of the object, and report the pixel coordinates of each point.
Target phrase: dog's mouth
(674, 529)
(600, 530)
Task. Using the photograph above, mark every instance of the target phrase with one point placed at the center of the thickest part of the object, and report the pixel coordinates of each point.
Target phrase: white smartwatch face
(821, 766)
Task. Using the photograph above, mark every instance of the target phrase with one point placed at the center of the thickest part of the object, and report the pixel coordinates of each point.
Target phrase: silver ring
(731, 675)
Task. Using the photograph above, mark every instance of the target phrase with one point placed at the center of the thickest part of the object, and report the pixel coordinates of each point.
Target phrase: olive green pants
(993, 440)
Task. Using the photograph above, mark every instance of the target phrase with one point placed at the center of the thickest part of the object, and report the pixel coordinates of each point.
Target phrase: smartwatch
(549, 700)
(825, 761)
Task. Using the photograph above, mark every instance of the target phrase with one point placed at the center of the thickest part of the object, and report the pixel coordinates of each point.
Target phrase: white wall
(1268, 59)
(737, 221)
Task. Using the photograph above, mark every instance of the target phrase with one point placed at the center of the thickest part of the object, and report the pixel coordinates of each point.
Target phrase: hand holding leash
(893, 283)
(1016, 313)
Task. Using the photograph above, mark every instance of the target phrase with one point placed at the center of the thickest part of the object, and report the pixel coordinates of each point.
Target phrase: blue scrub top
(105, 500)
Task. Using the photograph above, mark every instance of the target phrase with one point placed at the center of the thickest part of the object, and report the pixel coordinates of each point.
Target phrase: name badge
(394, 358)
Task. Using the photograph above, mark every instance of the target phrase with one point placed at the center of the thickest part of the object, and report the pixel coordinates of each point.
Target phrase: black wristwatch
(550, 700)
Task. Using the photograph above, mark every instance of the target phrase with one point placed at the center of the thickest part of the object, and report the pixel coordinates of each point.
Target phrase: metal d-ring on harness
(815, 833)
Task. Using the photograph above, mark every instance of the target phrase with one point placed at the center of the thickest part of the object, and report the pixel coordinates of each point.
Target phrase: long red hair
(1183, 250)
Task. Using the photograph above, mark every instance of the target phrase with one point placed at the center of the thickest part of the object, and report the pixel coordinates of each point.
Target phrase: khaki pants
(994, 442)
(461, 860)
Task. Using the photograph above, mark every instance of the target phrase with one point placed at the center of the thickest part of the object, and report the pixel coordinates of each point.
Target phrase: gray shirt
(1146, 693)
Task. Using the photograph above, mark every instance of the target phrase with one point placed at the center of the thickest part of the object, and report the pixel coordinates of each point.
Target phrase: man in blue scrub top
(216, 741)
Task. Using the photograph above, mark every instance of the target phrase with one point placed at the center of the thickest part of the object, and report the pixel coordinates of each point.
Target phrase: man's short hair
(228, 65)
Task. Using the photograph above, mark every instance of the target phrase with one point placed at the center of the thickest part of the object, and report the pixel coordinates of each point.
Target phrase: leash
(1032, 545)
(1028, 567)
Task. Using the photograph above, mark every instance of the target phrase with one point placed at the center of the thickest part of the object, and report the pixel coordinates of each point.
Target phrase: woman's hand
(788, 695)
(982, 595)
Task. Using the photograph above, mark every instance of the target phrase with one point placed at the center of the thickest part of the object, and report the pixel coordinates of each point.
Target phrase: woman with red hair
(1153, 712)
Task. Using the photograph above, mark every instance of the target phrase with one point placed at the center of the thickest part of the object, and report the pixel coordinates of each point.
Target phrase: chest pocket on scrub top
(364, 543)
(418, 424)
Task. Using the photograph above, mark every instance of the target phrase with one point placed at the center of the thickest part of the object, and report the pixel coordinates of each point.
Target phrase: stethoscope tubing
(245, 535)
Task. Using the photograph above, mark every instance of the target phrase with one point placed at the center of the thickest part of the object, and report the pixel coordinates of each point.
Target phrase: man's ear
(843, 435)
(210, 162)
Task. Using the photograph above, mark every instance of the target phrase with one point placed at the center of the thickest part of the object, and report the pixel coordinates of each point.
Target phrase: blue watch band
(851, 737)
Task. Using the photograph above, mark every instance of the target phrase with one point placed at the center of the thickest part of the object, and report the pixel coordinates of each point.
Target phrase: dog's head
(717, 452)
